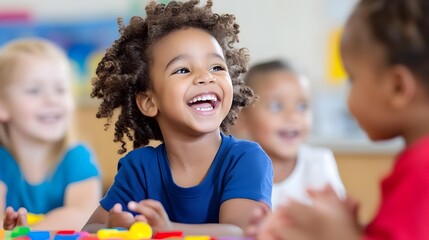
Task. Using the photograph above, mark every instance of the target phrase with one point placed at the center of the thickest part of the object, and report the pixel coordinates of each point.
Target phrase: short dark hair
(401, 27)
(268, 66)
(124, 70)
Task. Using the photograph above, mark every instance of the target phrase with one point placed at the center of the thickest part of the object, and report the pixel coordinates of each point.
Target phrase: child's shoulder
(143, 154)
(78, 154)
(244, 153)
(243, 149)
(146, 150)
(416, 154)
(78, 148)
(313, 153)
(147, 157)
(314, 149)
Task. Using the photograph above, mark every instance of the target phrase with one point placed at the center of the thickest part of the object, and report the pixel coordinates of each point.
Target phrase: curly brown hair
(402, 29)
(124, 70)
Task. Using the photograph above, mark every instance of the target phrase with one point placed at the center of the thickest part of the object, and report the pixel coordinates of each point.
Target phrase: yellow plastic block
(140, 230)
(111, 234)
(34, 218)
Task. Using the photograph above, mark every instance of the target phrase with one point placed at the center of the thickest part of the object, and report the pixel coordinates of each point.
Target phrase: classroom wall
(271, 28)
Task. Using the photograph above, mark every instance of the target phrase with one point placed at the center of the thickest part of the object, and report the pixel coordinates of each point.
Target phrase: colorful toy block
(20, 231)
(39, 235)
(34, 218)
(168, 235)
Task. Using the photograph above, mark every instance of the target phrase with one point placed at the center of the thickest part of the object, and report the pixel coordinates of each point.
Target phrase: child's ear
(147, 104)
(402, 87)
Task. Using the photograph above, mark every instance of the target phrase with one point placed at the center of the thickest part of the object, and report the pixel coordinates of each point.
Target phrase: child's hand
(260, 213)
(272, 227)
(327, 217)
(153, 213)
(119, 218)
(14, 218)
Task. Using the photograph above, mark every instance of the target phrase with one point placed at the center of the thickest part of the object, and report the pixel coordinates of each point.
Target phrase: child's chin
(53, 138)
(289, 153)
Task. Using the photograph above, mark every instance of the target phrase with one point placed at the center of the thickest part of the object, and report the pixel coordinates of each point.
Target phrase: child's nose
(204, 77)
(290, 114)
(52, 97)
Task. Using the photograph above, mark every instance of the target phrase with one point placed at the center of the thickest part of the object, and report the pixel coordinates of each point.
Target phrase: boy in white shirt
(280, 122)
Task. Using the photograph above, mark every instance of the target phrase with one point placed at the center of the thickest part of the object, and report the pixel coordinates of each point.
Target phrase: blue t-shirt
(78, 164)
(240, 169)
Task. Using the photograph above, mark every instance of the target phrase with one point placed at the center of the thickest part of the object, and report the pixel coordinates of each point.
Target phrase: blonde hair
(10, 55)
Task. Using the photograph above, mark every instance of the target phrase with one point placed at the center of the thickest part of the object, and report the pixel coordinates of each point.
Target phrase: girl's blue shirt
(77, 164)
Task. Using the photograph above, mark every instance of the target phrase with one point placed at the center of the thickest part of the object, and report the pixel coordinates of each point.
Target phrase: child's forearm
(64, 218)
(93, 227)
(217, 230)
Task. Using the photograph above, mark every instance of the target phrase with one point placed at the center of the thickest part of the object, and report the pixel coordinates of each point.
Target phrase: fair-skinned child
(280, 122)
(42, 170)
(385, 50)
(175, 77)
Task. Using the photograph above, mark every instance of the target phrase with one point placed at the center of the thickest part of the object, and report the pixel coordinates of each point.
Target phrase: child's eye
(301, 107)
(33, 91)
(181, 71)
(218, 68)
(275, 106)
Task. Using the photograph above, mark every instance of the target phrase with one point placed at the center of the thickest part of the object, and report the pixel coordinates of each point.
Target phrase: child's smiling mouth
(49, 118)
(204, 102)
(289, 135)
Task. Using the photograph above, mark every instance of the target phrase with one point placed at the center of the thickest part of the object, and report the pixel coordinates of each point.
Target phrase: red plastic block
(164, 235)
(66, 232)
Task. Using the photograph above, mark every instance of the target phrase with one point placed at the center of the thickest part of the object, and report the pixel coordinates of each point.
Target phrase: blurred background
(305, 32)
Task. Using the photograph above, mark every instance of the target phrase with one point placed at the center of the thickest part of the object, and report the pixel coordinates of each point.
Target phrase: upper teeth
(210, 97)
